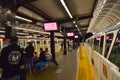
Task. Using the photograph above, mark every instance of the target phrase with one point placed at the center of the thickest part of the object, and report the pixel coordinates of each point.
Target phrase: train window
(38, 42)
(45, 42)
(109, 38)
(96, 43)
(101, 44)
(115, 53)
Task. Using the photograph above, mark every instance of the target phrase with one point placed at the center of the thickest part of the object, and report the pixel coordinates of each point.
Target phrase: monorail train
(37, 43)
(104, 50)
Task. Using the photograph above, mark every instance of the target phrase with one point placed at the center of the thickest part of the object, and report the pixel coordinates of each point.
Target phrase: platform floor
(66, 70)
(72, 66)
(85, 69)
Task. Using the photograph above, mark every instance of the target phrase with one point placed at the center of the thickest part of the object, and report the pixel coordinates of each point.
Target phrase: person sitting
(48, 54)
(42, 55)
(41, 58)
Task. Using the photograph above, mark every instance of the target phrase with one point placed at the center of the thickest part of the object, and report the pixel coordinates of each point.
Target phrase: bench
(42, 65)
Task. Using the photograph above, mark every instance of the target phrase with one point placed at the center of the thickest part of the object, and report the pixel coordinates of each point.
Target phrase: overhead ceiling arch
(109, 17)
(105, 19)
(116, 16)
(110, 9)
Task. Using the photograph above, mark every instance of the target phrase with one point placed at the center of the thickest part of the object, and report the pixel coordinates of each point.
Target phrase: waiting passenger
(42, 55)
(11, 60)
(29, 52)
(48, 54)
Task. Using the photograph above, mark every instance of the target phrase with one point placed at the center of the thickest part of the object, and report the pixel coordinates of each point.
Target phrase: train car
(37, 43)
(104, 51)
(41, 43)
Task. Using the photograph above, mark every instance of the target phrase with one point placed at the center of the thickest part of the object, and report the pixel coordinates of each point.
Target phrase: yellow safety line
(85, 70)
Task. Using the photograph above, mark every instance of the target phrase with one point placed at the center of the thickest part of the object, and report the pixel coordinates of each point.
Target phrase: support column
(65, 49)
(52, 45)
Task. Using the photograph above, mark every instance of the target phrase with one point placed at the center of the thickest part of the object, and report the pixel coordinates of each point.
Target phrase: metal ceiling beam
(84, 26)
(13, 5)
(37, 11)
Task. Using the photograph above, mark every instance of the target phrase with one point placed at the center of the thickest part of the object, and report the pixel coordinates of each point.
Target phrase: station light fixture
(22, 33)
(18, 17)
(104, 1)
(74, 22)
(66, 8)
(2, 31)
(76, 26)
(76, 36)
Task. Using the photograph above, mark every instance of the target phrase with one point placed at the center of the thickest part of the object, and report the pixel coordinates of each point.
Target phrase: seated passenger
(48, 54)
(42, 55)
(35, 56)
(41, 58)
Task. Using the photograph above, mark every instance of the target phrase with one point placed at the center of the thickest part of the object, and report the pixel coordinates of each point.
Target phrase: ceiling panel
(80, 7)
(68, 25)
(52, 8)
(30, 13)
(83, 22)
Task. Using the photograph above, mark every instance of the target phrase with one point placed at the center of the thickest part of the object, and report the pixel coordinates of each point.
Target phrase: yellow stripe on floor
(85, 69)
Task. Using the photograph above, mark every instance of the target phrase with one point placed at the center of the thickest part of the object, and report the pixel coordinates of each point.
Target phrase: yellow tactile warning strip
(85, 68)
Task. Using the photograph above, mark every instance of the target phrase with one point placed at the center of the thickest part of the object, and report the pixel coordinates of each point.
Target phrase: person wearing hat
(11, 60)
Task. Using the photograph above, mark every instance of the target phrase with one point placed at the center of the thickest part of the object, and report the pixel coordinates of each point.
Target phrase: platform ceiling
(52, 10)
(40, 11)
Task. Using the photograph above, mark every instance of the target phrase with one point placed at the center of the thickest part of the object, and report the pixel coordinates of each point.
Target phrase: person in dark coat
(11, 60)
(29, 52)
(42, 55)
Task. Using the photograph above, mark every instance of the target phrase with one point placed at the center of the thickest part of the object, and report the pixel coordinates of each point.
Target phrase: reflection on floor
(66, 70)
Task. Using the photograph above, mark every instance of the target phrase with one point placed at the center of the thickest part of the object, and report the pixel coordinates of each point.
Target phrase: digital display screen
(70, 34)
(76, 36)
(52, 26)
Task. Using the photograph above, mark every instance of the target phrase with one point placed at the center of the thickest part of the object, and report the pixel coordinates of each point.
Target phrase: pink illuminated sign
(50, 26)
(76, 36)
(98, 38)
(70, 34)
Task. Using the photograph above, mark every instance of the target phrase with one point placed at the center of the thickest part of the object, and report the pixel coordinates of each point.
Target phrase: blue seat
(41, 65)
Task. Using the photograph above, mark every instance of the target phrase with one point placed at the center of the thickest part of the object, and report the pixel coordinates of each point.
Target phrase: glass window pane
(109, 38)
(101, 44)
(96, 43)
(115, 53)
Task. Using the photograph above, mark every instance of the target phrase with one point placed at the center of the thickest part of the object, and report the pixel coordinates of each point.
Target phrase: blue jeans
(30, 64)
(13, 78)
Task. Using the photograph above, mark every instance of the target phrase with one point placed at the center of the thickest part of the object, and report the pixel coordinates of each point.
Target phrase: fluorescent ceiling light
(76, 26)
(74, 22)
(104, 1)
(22, 33)
(23, 18)
(118, 23)
(66, 8)
(2, 31)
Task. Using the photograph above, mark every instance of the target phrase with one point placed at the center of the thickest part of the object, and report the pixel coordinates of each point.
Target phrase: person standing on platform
(11, 60)
(29, 52)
